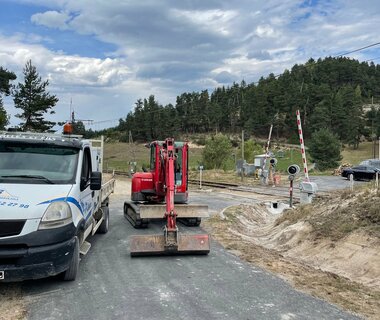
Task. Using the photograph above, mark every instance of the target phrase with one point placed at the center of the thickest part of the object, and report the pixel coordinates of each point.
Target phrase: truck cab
(51, 200)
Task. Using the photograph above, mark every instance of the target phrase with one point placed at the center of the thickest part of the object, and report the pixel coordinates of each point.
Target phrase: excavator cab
(178, 167)
(150, 185)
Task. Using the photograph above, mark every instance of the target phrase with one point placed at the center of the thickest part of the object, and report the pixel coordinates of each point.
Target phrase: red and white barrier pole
(267, 153)
(303, 152)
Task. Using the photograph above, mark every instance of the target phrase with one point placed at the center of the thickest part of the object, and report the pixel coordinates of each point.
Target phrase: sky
(100, 56)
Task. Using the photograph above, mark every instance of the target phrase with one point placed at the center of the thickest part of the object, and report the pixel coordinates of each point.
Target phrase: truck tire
(105, 224)
(71, 273)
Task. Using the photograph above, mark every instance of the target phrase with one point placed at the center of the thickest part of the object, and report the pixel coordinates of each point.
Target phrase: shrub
(325, 149)
(217, 152)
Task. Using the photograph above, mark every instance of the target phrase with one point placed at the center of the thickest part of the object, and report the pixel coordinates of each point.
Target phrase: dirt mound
(329, 248)
(335, 237)
(340, 234)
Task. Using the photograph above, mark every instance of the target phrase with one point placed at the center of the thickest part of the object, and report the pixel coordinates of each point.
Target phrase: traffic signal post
(293, 170)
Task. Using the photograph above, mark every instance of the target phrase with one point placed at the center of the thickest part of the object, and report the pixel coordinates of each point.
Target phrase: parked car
(366, 170)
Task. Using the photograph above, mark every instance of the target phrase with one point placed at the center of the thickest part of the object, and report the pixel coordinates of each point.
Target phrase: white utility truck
(51, 199)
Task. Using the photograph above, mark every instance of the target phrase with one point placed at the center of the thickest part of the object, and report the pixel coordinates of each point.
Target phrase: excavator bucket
(149, 245)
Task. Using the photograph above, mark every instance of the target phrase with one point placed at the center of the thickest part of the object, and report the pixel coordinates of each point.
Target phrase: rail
(223, 185)
(279, 191)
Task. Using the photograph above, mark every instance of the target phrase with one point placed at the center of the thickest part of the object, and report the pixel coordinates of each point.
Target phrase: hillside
(329, 93)
(117, 156)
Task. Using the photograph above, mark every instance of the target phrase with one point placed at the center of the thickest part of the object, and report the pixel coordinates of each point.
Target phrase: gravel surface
(112, 285)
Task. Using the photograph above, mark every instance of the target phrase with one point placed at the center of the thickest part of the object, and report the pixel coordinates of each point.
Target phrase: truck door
(86, 194)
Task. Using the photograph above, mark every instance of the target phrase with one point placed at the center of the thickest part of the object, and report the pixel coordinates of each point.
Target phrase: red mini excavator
(166, 181)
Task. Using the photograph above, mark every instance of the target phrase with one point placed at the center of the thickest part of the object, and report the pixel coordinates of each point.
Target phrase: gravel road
(112, 285)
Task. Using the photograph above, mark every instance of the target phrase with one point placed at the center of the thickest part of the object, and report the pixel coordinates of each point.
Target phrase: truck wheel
(105, 224)
(71, 273)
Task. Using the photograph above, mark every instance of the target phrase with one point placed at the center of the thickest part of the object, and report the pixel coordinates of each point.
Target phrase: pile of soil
(329, 248)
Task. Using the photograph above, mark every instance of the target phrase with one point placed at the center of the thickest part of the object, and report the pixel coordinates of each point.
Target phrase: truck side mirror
(96, 180)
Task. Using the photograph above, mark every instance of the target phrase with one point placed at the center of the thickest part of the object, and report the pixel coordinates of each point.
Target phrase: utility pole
(242, 144)
(264, 174)
(131, 145)
(374, 147)
(242, 155)
(71, 104)
(72, 116)
(291, 194)
(373, 135)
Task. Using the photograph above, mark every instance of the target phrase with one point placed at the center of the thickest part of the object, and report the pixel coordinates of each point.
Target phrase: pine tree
(5, 87)
(34, 101)
(79, 128)
(325, 149)
(357, 123)
(3, 115)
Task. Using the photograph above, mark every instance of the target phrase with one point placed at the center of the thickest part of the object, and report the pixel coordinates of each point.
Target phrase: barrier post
(303, 152)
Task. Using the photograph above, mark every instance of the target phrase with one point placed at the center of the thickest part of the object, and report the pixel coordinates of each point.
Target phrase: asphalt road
(331, 183)
(112, 285)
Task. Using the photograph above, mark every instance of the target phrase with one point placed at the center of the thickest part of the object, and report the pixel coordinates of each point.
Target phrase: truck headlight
(57, 214)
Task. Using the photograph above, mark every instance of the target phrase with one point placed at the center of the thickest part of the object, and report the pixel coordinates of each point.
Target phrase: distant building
(368, 107)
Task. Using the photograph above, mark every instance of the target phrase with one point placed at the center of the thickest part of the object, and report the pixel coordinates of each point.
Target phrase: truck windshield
(37, 163)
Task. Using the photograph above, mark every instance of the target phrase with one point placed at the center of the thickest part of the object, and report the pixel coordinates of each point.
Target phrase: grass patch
(293, 216)
(118, 155)
(232, 213)
(362, 213)
(329, 219)
(355, 156)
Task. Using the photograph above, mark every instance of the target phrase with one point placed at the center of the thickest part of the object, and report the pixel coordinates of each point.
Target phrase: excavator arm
(171, 242)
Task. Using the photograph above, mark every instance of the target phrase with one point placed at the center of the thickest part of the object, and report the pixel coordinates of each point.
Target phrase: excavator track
(190, 222)
(132, 214)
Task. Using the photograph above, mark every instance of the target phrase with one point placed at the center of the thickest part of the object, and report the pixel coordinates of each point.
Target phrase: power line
(103, 121)
(339, 55)
(256, 82)
(373, 59)
(356, 50)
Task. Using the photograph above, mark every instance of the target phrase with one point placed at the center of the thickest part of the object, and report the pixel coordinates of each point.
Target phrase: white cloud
(94, 84)
(202, 36)
(64, 69)
(72, 70)
(168, 47)
(212, 20)
(52, 19)
(266, 31)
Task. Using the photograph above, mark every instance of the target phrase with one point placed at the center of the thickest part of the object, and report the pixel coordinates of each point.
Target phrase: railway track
(223, 185)
(280, 191)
